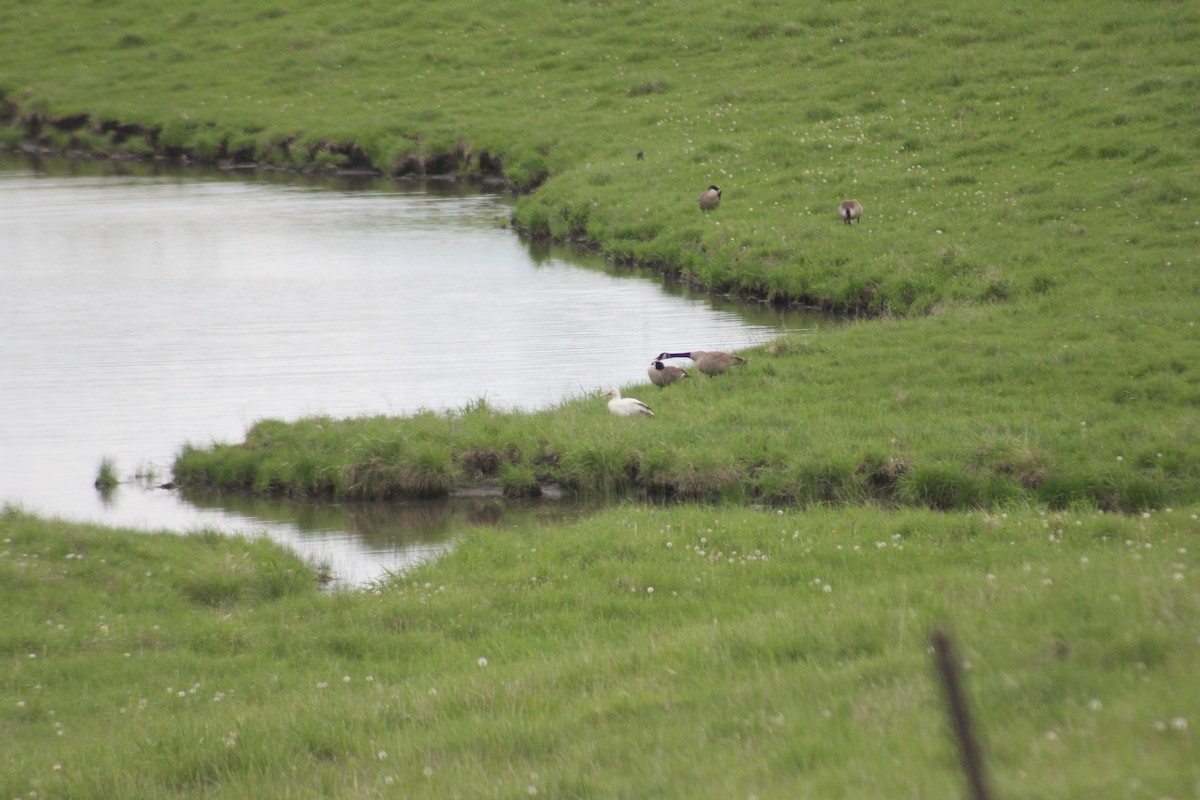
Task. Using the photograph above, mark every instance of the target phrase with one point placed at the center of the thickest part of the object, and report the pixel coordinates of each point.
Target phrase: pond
(146, 308)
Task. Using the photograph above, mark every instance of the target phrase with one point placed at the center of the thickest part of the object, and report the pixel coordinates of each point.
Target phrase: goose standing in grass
(664, 374)
(627, 406)
(850, 210)
(711, 198)
(710, 362)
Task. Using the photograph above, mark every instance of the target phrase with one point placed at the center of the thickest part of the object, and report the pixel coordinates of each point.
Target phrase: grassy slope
(693, 652)
(1034, 140)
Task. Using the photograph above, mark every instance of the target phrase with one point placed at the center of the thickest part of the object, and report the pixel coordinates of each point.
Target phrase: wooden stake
(960, 721)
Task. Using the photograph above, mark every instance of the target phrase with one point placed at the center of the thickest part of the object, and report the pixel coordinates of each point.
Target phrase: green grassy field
(687, 652)
(1023, 364)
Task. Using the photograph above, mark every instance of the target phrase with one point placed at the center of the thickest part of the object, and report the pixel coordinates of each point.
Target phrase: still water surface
(141, 310)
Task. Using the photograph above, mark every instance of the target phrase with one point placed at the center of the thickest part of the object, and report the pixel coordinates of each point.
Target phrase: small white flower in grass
(428, 771)
(1120, 458)
(382, 755)
(483, 662)
(345, 679)
(1159, 725)
(1179, 723)
(827, 588)
(322, 684)
(1051, 736)
(1094, 704)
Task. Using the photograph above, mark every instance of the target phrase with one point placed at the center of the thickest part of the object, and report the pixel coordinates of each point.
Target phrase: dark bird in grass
(711, 198)
(664, 374)
(850, 210)
(641, 155)
(710, 362)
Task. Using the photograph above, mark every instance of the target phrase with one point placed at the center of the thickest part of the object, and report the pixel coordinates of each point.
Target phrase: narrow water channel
(144, 309)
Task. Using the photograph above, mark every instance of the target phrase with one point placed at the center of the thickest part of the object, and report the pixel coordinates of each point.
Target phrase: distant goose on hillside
(710, 198)
(710, 362)
(850, 210)
(627, 406)
(663, 374)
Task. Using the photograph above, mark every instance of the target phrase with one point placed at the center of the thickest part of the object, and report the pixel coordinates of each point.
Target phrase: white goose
(627, 406)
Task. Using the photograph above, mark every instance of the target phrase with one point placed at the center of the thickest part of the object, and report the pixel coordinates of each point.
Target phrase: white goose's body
(627, 406)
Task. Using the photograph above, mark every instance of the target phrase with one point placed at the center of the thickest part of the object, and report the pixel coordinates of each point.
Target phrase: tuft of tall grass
(107, 477)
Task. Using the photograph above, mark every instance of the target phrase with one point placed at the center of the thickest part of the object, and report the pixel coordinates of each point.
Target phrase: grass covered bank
(975, 416)
(1028, 256)
(1001, 151)
(695, 652)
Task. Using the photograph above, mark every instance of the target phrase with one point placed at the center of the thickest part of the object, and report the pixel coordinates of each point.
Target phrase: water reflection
(145, 309)
(393, 533)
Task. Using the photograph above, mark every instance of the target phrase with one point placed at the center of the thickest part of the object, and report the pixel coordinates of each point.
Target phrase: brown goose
(663, 374)
(710, 362)
(850, 210)
(711, 198)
